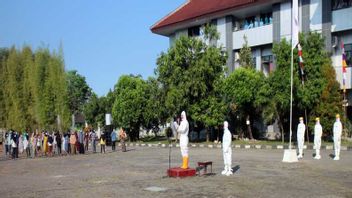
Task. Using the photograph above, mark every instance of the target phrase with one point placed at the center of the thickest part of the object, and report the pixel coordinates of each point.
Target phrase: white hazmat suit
(337, 137)
(183, 130)
(318, 132)
(226, 150)
(300, 137)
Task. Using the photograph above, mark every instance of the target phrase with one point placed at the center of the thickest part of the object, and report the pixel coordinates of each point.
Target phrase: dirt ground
(260, 173)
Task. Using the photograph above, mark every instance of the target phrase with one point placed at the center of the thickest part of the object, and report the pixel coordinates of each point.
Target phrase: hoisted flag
(344, 67)
(294, 24)
(301, 63)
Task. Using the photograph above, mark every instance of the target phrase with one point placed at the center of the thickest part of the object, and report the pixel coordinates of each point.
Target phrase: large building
(264, 22)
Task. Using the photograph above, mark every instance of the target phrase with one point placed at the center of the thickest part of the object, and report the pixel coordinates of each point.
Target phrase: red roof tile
(196, 8)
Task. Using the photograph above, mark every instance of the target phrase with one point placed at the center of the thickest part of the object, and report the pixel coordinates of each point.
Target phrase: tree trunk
(207, 132)
(249, 128)
(282, 130)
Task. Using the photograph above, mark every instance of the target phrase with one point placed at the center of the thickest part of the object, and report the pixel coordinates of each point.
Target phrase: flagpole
(290, 145)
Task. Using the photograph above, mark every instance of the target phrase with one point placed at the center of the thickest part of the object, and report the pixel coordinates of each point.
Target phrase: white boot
(337, 155)
(300, 156)
(317, 155)
(224, 171)
(229, 172)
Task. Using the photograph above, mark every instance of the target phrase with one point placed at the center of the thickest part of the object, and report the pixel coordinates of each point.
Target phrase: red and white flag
(301, 63)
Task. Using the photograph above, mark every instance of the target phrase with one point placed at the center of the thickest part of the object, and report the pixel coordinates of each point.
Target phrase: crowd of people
(37, 144)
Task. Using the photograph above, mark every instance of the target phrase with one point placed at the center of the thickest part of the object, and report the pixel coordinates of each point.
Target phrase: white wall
(341, 19)
(316, 17)
(255, 36)
(285, 20)
(221, 27)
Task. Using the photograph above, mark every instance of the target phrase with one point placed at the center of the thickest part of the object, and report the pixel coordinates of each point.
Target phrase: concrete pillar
(326, 26)
(229, 43)
(276, 22)
(305, 16)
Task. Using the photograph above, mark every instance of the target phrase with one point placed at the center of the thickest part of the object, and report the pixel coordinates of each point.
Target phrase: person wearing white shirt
(337, 130)
(227, 151)
(318, 131)
(300, 137)
(183, 130)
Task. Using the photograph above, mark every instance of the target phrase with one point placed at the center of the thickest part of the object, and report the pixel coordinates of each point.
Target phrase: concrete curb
(239, 146)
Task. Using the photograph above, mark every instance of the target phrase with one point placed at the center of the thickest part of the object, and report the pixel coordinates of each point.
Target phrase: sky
(101, 39)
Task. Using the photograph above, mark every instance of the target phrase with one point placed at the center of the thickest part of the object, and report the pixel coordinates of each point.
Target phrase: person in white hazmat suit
(300, 137)
(337, 130)
(226, 150)
(183, 130)
(318, 132)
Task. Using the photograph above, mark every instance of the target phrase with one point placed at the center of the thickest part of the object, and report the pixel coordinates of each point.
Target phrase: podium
(179, 172)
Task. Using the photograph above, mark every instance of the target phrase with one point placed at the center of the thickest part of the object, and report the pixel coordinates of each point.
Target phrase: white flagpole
(289, 154)
(290, 145)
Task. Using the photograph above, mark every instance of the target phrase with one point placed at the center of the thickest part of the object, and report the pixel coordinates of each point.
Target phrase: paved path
(261, 174)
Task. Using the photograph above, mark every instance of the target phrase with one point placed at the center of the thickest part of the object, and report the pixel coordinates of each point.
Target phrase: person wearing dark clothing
(113, 140)
(86, 140)
(50, 145)
(93, 139)
(58, 142)
(14, 145)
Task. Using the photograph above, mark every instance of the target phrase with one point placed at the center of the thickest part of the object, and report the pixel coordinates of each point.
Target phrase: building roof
(197, 8)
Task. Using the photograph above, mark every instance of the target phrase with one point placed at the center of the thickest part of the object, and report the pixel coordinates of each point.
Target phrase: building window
(253, 22)
(348, 51)
(267, 64)
(194, 31)
(340, 4)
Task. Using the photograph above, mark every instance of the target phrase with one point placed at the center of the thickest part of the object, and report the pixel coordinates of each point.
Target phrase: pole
(290, 146)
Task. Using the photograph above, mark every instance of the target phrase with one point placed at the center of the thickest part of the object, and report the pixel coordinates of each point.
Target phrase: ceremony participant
(318, 131)
(113, 140)
(20, 143)
(93, 139)
(86, 139)
(102, 143)
(33, 141)
(14, 145)
(183, 130)
(337, 130)
(300, 137)
(39, 144)
(58, 142)
(227, 151)
(8, 143)
(45, 143)
(73, 140)
(122, 136)
(26, 144)
(50, 144)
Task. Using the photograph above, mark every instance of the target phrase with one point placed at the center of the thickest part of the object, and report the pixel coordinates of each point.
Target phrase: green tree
(246, 58)
(274, 95)
(188, 74)
(240, 91)
(78, 92)
(92, 109)
(154, 111)
(4, 52)
(33, 89)
(129, 104)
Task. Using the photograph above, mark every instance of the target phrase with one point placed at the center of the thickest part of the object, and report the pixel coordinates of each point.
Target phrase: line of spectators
(43, 143)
